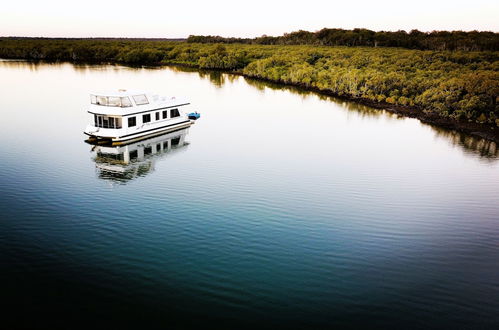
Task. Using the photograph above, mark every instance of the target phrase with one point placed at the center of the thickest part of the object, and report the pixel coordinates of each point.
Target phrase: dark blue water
(278, 208)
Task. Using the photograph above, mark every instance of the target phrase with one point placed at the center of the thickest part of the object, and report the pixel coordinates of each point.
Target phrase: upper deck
(123, 102)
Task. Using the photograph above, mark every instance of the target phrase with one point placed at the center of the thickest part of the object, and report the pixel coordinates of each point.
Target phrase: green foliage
(220, 58)
(460, 84)
(142, 56)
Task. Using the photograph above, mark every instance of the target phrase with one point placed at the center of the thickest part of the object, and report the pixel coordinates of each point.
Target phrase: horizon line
(217, 35)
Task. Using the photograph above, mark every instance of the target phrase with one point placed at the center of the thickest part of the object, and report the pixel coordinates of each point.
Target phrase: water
(277, 208)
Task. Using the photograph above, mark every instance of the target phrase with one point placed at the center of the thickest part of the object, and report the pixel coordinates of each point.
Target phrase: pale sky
(180, 18)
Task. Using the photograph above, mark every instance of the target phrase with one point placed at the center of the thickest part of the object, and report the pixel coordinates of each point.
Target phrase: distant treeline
(457, 85)
(436, 40)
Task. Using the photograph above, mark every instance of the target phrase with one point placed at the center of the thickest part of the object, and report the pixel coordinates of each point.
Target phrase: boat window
(132, 121)
(107, 122)
(110, 101)
(101, 100)
(165, 145)
(165, 114)
(125, 102)
(113, 101)
(174, 113)
(117, 122)
(110, 122)
(134, 155)
(140, 99)
(158, 147)
(146, 118)
(157, 115)
(148, 150)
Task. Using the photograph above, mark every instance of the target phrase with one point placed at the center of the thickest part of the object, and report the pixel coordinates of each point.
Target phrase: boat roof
(119, 92)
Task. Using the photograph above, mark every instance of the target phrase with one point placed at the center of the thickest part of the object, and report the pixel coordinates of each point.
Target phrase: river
(279, 207)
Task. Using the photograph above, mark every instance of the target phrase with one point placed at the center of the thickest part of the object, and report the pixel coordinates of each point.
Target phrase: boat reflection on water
(121, 163)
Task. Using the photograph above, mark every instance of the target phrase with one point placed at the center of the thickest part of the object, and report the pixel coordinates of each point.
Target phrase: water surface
(278, 208)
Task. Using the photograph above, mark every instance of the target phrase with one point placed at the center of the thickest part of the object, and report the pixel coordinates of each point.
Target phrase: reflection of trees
(484, 148)
(23, 64)
(217, 78)
(179, 68)
(362, 110)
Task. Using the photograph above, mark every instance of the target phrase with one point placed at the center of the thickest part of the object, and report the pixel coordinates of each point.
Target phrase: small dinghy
(194, 115)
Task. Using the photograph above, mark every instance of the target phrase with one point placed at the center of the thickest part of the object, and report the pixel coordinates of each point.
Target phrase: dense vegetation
(457, 85)
(436, 40)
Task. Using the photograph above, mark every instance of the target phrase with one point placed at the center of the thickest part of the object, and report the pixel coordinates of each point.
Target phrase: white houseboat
(125, 115)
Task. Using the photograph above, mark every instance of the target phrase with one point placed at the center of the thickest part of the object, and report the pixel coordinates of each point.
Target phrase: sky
(181, 18)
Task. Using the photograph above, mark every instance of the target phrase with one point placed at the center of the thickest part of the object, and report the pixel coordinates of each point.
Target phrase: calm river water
(277, 208)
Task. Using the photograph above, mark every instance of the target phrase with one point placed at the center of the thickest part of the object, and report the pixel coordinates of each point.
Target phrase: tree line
(435, 40)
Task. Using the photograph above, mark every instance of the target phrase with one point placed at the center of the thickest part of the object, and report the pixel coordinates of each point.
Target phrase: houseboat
(125, 162)
(125, 115)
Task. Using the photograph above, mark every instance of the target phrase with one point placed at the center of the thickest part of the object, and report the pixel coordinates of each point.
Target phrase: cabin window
(165, 114)
(157, 115)
(113, 101)
(148, 150)
(134, 155)
(140, 99)
(125, 102)
(101, 100)
(158, 147)
(174, 113)
(132, 121)
(107, 122)
(110, 101)
(146, 118)
(165, 145)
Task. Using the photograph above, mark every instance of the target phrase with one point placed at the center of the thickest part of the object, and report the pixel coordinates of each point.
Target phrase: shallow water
(278, 208)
